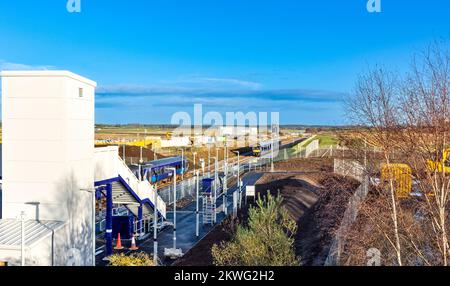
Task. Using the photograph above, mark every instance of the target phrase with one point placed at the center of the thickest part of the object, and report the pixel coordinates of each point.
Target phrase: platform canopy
(35, 231)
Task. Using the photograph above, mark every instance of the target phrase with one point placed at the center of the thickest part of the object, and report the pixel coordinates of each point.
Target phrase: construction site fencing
(355, 170)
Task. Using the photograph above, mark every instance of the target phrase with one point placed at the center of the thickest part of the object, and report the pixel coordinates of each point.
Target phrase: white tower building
(48, 160)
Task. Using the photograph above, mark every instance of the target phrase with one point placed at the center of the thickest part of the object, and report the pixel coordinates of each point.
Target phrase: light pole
(197, 215)
(195, 153)
(182, 163)
(225, 188)
(202, 163)
(183, 166)
(155, 227)
(216, 186)
(92, 191)
(271, 157)
(239, 176)
(209, 159)
(217, 158)
(124, 159)
(22, 238)
(174, 170)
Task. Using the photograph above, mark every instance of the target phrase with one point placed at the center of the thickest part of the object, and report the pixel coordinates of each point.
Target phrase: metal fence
(355, 170)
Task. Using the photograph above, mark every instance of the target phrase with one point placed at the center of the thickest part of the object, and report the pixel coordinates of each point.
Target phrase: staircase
(127, 189)
(123, 197)
(208, 209)
(133, 192)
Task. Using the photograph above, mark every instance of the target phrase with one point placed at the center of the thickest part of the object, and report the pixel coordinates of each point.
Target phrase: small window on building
(80, 92)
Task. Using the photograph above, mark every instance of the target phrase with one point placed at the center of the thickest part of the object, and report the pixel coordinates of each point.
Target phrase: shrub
(138, 259)
(267, 241)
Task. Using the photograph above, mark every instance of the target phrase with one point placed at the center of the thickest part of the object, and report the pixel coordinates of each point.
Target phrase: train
(158, 170)
(264, 147)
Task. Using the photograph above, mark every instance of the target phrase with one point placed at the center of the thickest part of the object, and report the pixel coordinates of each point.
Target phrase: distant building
(237, 131)
(176, 142)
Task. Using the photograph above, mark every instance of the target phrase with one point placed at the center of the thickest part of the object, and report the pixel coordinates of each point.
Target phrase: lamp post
(182, 163)
(216, 179)
(202, 163)
(209, 159)
(183, 167)
(155, 227)
(174, 170)
(123, 151)
(22, 238)
(215, 187)
(195, 153)
(197, 214)
(217, 158)
(271, 157)
(238, 175)
(92, 191)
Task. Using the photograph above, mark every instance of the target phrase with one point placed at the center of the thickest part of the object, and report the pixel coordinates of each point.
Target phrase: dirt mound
(135, 153)
(317, 227)
(307, 165)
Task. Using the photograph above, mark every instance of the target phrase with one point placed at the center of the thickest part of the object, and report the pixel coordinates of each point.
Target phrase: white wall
(48, 150)
(105, 163)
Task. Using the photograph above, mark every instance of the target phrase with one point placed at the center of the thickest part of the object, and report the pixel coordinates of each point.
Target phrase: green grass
(327, 140)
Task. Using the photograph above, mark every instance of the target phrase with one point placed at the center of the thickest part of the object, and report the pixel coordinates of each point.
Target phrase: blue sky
(152, 58)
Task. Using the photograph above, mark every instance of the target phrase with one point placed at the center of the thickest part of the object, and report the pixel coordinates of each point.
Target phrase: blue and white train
(158, 170)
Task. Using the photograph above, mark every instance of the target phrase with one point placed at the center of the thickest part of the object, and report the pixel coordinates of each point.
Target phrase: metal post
(155, 228)
(140, 220)
(216, 178)
(183, 167)
(195, 153)
(174, 209)
(271, 159)
(217, 159)
(196, 208)
(239, 177)
(225, 189)
(93, 227)
(109, 214)
(93, 200)
(22, 236)
(123, 150)
(209, 159)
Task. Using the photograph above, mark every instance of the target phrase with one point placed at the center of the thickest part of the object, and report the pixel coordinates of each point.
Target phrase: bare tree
(375, 109)
(426, 105)
(408, 120)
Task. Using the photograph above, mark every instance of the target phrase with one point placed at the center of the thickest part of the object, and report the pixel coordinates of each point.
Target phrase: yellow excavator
(437, 166)
(401, 174)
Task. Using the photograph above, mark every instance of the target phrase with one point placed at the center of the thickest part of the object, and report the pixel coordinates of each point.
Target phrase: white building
(184, 141)
(48, 167)
(237, 131)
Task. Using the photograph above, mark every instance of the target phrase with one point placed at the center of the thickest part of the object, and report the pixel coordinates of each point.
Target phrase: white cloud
(4, 65)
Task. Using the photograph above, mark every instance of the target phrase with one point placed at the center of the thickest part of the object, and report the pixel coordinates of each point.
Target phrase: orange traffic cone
(133, 243)
(119, 242)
